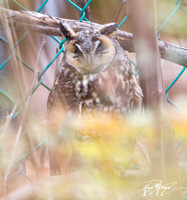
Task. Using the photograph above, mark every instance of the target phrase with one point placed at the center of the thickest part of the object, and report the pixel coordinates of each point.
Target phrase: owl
(95, 76)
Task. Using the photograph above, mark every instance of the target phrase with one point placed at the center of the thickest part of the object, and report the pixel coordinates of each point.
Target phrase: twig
(18, 135)
(122, 4)
(37, 22)
(20, 129)
(35, 76)
(8, 119)
(144, 151)
(7, 122)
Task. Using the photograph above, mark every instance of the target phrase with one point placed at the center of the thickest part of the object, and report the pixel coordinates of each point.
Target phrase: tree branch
(45, 24)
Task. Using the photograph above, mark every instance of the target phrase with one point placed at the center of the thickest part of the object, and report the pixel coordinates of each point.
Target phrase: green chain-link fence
(59, 43)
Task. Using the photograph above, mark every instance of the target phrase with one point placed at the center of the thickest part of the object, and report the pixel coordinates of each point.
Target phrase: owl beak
(90, 60)
(90, 65)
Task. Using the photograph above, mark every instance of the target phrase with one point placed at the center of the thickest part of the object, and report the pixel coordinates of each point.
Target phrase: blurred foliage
(104, 162)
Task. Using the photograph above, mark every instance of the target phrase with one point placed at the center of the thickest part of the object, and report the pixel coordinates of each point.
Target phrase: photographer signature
(157, 187)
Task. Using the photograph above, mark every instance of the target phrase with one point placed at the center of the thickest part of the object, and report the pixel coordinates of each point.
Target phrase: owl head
(89, 51)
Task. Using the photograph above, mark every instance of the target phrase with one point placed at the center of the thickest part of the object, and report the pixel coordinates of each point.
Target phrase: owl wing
(62, 97)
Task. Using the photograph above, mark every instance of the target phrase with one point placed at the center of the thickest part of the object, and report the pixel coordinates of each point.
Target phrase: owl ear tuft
(67, 31)
(109, 29)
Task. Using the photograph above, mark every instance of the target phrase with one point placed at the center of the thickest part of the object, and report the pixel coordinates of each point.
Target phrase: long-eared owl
(95, 78)
(95, 74)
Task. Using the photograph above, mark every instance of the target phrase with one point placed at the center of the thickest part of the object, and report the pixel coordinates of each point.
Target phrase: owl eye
(99, 47)
(77, 49)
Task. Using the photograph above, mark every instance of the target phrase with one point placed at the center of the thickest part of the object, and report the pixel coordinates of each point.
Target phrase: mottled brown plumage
(95, 76)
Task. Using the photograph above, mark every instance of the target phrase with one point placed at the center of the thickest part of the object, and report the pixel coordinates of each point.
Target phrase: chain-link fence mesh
(42, 81)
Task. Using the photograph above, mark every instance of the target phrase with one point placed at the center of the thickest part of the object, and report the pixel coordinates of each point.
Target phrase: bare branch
(42, 23)
(13, 157)
(8, 119)
(119, 11)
